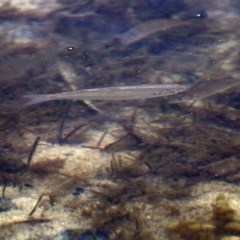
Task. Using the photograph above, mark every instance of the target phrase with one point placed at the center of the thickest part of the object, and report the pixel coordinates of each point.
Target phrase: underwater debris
(33, 150)
(81, 127)
(136, 228)
(51, 201)
(97, 146)
(119, 144)
(63, 139)
(61, 126)
(123, 167)
(118, 221)
(12, 169)
(101, 138)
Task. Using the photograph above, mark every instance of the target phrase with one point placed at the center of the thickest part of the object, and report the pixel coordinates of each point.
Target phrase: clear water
(141, 165)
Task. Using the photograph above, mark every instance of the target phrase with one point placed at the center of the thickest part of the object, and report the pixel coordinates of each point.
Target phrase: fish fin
(35, 99)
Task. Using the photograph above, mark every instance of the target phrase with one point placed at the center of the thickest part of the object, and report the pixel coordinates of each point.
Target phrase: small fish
(146, 29)
(111, 93)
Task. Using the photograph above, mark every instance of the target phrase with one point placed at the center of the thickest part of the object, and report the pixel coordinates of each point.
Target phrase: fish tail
(35, 99)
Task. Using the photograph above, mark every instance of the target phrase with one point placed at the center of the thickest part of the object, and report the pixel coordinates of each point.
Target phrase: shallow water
(145, 168)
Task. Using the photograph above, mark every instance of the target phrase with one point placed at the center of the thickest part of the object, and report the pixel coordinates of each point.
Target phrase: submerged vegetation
(222, 225)
(137, 169)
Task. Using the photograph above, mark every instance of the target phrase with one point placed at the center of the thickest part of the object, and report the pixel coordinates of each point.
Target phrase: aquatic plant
(222, 224)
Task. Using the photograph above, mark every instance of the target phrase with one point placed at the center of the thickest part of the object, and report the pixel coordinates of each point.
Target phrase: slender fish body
(111, 93)
(146, 29)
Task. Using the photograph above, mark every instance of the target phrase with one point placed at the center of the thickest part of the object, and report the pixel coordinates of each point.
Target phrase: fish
(111, 93)
(207, 88)
(146, 29)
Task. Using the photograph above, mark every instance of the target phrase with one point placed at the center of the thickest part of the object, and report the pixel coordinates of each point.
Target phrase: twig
(65, 113)
(51, 201)
(33, 150)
